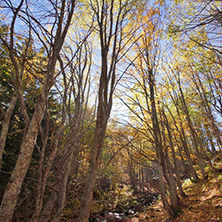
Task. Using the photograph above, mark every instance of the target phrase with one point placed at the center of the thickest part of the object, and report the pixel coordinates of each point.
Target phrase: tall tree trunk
(207, 107)
(15, 182)
(176, 167)
(16, 77)
(158, 143)
(110, 18)
(44, 173)
(5, 124)
(168, 172)
(194, 135)
(62, 188)
(99, 135)
(184, 143)
(22, 164)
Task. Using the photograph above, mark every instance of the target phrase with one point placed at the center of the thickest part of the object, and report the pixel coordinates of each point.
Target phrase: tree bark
(110, 18)
(15, 182)
(99, 135)
(208, 111)
(193, 134)
(176, 167)
(168, 171)
(5, 124)
(184, 142)
(158, 143)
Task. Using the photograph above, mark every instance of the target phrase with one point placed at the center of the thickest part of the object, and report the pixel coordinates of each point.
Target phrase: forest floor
(204, 203)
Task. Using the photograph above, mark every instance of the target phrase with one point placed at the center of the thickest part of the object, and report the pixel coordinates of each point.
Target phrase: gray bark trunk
(15, 182)
(5, 124)
(14, 186)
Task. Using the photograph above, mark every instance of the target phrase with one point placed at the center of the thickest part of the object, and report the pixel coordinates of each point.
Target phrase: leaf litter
(203, 204)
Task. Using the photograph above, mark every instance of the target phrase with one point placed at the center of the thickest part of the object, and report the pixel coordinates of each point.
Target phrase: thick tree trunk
(15, 182)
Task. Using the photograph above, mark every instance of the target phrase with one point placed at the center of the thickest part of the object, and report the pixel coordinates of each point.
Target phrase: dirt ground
(204, 203)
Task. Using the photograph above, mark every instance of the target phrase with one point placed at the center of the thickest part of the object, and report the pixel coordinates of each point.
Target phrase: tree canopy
(106, 104)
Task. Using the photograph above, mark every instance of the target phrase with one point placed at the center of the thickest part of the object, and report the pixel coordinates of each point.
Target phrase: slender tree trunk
(51, 203)
(187, 153)
(174, 198)
(5, 124)
(62, 192)
(184, 143)
(185, 163)
(16, 76)
(168, 172)
(176, 167)
(40, 189)
(202, 93)
(94, 161)
(158, 144)
(110, 35)
(55, 204)
(194, 136)
(15, 182)
(213, 150)
(43, 174)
